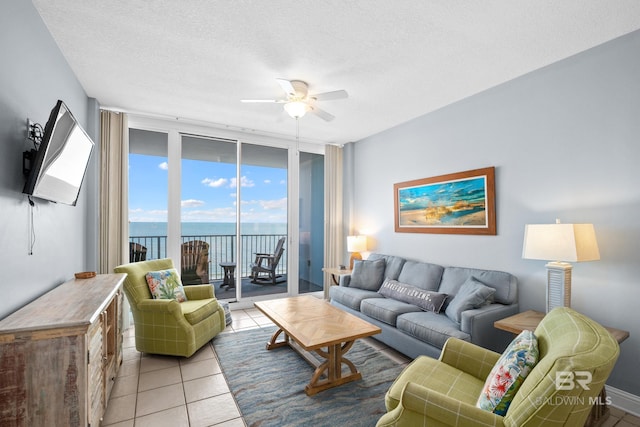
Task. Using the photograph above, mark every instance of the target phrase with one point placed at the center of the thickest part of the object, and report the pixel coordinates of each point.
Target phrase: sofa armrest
(194, 292)
(162, 312)
(479, 324)
(345, 279)
(160, 306)
(468, 357)
(418, 405)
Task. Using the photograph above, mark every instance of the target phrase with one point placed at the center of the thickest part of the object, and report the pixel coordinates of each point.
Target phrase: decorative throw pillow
(472, 294)
(367, 275)
(426, 300)
(166, 284)
(508, 373)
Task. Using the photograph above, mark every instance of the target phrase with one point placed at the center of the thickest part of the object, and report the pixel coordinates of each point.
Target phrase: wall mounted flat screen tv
(60, 164)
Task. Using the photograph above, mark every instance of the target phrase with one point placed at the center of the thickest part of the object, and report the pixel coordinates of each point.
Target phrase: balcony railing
(222, 248)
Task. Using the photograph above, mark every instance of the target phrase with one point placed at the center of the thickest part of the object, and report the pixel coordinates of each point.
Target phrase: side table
(229, 269)
(336, 273)
(529, 320)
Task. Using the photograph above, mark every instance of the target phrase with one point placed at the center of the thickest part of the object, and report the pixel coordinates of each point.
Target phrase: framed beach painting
(457, 203)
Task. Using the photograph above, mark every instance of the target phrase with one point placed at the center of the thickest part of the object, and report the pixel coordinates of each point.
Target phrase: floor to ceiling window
(221, 208)
(148, 195)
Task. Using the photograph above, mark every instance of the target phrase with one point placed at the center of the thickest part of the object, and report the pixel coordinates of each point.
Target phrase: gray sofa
(415, 304)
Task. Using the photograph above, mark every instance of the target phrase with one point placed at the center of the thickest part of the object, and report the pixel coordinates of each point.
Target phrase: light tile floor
(169, 391)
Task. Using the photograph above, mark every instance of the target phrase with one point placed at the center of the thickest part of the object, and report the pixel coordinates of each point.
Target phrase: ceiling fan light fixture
(296, 109)
(298, 100)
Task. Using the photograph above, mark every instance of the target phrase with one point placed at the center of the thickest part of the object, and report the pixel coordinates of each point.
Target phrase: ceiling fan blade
(270, 101)
(321, 113)
(336, 94)
(287, 87)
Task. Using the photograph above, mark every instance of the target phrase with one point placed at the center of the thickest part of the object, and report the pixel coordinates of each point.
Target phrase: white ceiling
(195, 59)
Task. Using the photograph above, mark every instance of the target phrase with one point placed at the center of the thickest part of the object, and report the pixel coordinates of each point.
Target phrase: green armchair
(444, 392)
(165, 326)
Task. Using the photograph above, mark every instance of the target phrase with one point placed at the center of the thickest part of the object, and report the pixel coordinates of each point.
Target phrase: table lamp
(355, 245)
(560, 243)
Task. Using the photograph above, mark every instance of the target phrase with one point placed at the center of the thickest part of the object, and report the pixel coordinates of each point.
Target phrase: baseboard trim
(625, 401)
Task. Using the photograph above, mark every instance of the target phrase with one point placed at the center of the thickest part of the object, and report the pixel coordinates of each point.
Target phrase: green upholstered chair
(165, 326)
(444, 392)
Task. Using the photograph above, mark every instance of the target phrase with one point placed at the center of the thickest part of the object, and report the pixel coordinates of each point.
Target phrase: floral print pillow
(509, 373)
(166, 284)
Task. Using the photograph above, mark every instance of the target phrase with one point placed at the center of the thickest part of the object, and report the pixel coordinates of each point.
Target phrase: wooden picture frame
(457, 203)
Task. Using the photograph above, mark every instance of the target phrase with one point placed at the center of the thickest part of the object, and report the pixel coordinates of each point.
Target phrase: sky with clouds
(208, 192)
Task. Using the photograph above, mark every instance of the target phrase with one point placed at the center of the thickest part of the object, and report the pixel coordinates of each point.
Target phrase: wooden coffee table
(311, 324)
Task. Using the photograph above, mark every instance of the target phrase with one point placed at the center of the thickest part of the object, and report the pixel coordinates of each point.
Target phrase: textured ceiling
(196, 59)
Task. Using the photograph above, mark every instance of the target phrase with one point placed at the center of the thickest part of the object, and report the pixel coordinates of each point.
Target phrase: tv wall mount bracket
(35, 132)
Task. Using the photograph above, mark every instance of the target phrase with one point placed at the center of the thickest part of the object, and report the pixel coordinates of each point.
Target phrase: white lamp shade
(296, 109)
(356, 243)
(560, 242)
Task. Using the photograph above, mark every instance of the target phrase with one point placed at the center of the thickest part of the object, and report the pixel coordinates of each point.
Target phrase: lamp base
(558, 285)
(354, 256)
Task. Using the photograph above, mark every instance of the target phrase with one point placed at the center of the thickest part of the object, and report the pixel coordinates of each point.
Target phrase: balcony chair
(195, 262)
(166, 326)
(263, 269)
(444, 392)
(137, 252)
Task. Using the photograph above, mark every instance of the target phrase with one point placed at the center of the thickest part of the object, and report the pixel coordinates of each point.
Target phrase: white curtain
(333, 214)
(114, 230)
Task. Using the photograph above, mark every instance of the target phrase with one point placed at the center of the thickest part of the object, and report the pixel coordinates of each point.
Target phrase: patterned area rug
(269, 384)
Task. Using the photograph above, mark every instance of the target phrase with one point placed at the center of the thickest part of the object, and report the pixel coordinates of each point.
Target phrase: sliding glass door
(233, 217)
(222, 209)
(208, 218)
(263, 220)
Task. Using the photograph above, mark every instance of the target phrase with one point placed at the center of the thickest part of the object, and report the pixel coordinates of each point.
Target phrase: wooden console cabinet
(59, 355)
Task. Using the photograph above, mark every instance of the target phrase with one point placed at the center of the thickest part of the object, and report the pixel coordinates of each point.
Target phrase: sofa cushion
(432, 328)
(196, 311)
(422, 275)
(351, 297)
(165, 284)
(386, 310)
(504, 283)
(508, 373)
(472, 294)
(393, 264)
(426, 300)
(367, 274)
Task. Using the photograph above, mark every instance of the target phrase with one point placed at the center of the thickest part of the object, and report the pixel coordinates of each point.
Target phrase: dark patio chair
(195, 263)
(137, 252)
(263, 270)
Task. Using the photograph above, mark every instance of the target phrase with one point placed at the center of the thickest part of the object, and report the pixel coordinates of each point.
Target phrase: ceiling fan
(299, 101)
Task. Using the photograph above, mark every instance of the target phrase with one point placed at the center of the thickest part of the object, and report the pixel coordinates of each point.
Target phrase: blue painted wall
(33, 76)
(565, 141)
